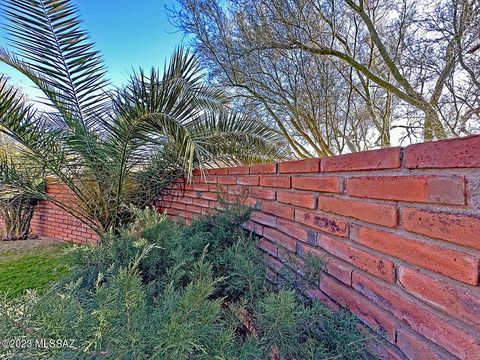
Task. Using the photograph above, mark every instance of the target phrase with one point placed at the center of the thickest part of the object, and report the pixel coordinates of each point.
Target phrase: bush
(16, 204)
(162, 290)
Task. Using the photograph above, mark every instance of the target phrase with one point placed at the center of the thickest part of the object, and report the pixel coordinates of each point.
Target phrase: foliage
(16, 202)
(113, 148)
(161, 290)
(344, 75)
(26, 268)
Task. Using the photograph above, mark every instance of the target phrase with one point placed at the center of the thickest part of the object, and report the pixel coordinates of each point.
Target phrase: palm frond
(48, 37)
(229, 138)
(157, 128)
(18, 179)
(180, 110)
(161, 106)
(19, 120)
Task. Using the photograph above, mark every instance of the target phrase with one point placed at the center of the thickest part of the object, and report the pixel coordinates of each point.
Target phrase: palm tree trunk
(17, 217)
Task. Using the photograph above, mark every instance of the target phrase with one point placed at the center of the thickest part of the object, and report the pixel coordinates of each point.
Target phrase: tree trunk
(17, 216)
(432, 127)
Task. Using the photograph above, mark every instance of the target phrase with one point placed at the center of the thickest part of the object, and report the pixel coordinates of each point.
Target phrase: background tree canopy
(344, 75)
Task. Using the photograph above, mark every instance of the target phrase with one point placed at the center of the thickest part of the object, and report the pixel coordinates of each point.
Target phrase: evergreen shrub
(163, 290)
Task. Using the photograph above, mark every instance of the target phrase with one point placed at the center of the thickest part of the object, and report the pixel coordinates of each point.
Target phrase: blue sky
(129, 34)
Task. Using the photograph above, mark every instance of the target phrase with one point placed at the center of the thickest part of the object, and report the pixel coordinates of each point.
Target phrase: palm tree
(112, 148)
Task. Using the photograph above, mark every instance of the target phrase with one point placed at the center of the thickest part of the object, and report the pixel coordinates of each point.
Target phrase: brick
(200, 202)
(235, 194)
(217, 188)
(209, 196)
(268, 247)
(197, 179)
(184, 214)
(339, 270)
(253, 227)
(322, 222)
(265, 194)
(264, 219)
(273, 263)
(460, 302)
(237, 190)
(457, 265)
(299, 166)
(382, 268)
(187, 215)
(166, 198)
(284, 211)
(288, 257)
(252, 202)
(248, 180)
(316, 294)
(200, 173)
(215, 205)
(380, 214)
(415, 346)
(227, 180)
(452, 153)
(275, 181)
(174, 193)
(381, 349)
(218, 171)
(191, 193)
(279, 238)
(172, 211)
(298, 232)
(455, 228)
(376, 318)
(427, 189)
(292, 259)
(239, 170)
(179, 206)
(317, 184)
(208, 179)
(196, 187)
(194, 208)
(460, 342)
(297, 199)
(185, 200)
(368, 160)
(263, 169)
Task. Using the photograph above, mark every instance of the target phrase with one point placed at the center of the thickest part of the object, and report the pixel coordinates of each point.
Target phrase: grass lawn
(30, 264)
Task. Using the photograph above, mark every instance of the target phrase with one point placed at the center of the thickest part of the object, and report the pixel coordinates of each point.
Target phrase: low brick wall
(52, 222)
(399, 230)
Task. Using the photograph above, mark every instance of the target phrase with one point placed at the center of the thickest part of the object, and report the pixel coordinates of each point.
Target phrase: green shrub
(162, 290)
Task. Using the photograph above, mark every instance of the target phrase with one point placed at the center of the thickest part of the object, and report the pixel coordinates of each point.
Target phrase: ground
(30, 264)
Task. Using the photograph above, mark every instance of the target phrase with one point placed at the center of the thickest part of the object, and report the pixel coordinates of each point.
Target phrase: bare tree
(339, 75)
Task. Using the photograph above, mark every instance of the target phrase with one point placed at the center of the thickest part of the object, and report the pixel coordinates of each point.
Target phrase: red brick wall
(399, 230)
(52, 222)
